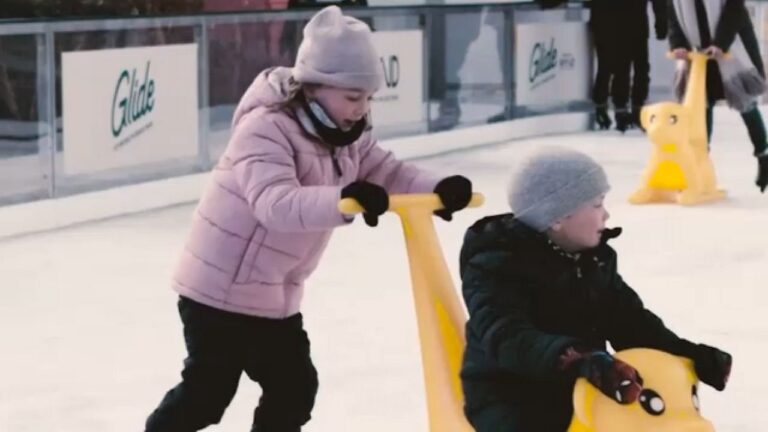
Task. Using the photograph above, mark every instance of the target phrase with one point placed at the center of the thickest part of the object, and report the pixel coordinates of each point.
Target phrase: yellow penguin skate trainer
(439, 311)
(668, 403)
(680, 170)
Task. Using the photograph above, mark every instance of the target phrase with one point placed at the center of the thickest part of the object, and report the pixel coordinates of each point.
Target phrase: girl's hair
(295, 97)
(295, 93)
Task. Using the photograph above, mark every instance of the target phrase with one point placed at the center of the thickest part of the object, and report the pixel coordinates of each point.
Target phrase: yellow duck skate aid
(668, 403)
(680, 169)
(439, 311)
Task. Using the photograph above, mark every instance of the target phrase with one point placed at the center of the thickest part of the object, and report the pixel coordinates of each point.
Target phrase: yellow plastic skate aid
(439, 311)
(671, 378)
(679, 169)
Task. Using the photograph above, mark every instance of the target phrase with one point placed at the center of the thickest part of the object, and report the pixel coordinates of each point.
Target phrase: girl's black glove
(373, 198)
(455, 192)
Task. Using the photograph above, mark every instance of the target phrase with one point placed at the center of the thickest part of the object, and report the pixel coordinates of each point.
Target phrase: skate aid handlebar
(427, 201)
(693, 53)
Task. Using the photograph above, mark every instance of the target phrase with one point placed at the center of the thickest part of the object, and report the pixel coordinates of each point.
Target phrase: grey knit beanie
(552, 184)
(338, 51)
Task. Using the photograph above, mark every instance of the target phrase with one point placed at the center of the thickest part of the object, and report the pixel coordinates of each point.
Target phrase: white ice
(91, 339)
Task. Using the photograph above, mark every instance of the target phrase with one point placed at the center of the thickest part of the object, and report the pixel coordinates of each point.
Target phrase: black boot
(636, 117)
(762, 172)
(623, 120)
(757, 134)
(601, 117)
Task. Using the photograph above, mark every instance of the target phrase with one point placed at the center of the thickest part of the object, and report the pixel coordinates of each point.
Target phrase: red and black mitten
(613, 377)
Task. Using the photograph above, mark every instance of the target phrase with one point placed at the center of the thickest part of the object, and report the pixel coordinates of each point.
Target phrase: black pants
(618, 58)
(641, 72)
(495, 418)
(753, 120)
(607, 49)
(221, 345)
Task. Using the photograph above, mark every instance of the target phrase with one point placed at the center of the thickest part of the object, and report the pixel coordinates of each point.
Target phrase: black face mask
(327, 130)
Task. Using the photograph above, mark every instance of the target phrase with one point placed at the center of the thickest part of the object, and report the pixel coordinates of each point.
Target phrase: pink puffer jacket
(267, 214)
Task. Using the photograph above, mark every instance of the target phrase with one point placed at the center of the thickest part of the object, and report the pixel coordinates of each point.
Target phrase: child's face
(582, 229)
(345, 106)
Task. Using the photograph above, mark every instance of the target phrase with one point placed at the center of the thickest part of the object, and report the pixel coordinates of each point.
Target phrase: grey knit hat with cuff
(552, 184)
(338, 51)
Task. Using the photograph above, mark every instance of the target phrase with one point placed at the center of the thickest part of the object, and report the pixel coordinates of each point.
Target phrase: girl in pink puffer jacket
(301, 141)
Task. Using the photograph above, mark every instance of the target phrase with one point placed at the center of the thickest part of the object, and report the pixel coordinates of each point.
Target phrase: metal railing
(232, 49)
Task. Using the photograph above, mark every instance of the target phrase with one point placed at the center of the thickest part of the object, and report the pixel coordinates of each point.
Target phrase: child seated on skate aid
(544, 296)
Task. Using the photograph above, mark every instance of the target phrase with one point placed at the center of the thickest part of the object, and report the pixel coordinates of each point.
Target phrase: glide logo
(543, 63)
(133, 99)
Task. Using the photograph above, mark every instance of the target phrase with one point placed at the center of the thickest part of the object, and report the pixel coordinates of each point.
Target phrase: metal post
(511, 62)
(47, 104)
(41, 102)
(426, 71)
(204, 121)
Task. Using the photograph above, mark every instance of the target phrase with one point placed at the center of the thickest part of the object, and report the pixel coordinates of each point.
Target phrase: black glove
(455, 192)
(661, 29)
(712, 365)
(373, 198)
(613, 377)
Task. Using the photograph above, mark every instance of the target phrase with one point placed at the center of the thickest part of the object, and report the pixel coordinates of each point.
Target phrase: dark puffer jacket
(626, 19)
(528, 301)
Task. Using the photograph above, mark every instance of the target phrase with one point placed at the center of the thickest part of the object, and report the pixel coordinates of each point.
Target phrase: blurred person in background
(620, 31)
(717, 27)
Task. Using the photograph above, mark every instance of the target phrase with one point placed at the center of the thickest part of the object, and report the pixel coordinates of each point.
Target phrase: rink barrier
(40, 160)
(46, 215)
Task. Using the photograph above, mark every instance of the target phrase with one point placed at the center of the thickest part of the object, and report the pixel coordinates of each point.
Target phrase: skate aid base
(680, 169)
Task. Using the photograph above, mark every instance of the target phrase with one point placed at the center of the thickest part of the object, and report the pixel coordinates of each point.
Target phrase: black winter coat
(626, 19)
(527, 303)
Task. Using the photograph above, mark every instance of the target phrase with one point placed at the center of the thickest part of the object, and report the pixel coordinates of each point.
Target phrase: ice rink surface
(91, 339)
